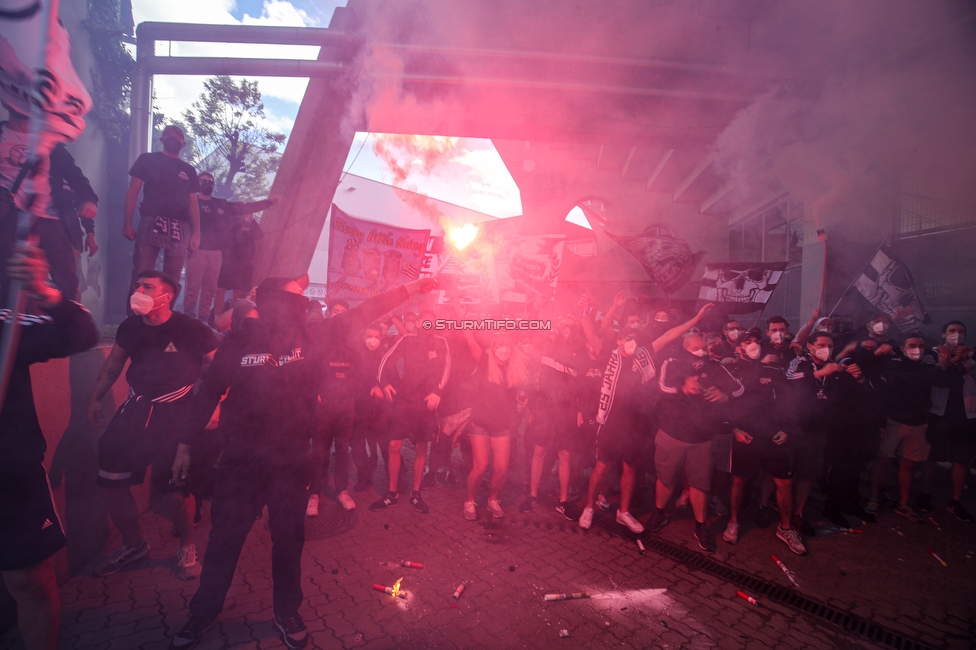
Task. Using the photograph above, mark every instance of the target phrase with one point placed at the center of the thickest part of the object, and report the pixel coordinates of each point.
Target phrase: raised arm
(675, 332)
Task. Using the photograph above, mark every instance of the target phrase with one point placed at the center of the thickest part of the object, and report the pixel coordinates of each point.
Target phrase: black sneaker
(122, 556)
(836, 517)
(656, 521)
(961, 513)
(764, 516)
(389, 500)
(191, 633)
(924, 503)
(566, 509)
(427, 481)
(705, 538)
(855, 510)
(802, 524)
(528, 504)
(293, 630)
(417, 502)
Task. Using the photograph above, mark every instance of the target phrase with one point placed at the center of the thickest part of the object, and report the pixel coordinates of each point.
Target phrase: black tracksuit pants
(245, 483)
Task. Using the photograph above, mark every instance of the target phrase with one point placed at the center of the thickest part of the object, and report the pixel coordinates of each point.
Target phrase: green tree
(227, 123)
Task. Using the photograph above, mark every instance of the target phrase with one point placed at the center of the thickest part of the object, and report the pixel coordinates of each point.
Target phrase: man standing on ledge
(169, 219)
(271, 367)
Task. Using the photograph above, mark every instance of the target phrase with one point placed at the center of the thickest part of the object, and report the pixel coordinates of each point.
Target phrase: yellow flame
(396, 588)
(460, 237)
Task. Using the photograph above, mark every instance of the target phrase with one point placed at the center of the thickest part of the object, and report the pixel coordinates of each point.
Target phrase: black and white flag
(740, 287)
(888, 285)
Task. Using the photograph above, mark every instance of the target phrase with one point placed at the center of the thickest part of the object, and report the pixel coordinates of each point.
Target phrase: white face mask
(699, 353)
(503, 353)
(953, 339)
(733, 335)
(822, 353)
(752, 350)
(142, 303)
(880, 328)
(777, 337)
(629, 348)
(372, 342)
(914, 355)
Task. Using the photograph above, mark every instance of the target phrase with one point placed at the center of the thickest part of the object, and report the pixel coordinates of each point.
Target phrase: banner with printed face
(669, 261)
(529, 265)
(367, 258)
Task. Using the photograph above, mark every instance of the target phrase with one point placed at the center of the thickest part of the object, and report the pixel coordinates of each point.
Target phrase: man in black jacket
(907, 390)
(269, 370)
(30, 529)
(413, 375)
(693, 411)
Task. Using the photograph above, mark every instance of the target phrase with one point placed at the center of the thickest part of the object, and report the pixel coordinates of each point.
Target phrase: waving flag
(669, 261)
(888, 285)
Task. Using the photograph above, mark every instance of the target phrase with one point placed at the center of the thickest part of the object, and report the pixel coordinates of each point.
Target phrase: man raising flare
(167, 350)
(270, 370)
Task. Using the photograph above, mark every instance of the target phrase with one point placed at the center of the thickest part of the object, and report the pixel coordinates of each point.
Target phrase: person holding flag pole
(37, 83)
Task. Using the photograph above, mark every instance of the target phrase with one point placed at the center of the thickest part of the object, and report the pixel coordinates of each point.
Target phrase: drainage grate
(851, 623)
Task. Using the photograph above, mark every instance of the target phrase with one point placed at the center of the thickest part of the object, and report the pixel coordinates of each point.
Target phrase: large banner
(888, 285)
(740, 287)
(367, 258)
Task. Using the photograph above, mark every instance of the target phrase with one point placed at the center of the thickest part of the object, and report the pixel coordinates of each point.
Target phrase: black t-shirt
(215, 223)
(164, 357)
(168, 183)
(630, 394)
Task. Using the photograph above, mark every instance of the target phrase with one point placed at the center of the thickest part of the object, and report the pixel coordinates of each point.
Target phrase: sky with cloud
(472, 175)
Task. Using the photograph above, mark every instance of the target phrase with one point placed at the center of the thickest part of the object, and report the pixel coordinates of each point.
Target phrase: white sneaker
(495, 508)
(586, 519)
(345, 500)
(312, 509)
(470, 512)
(628, 520)
(731, 534)
(187, 567)
(602, 503)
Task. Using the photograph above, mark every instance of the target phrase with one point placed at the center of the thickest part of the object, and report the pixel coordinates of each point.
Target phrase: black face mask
(171, 144)
(206, 189)
(282, 307)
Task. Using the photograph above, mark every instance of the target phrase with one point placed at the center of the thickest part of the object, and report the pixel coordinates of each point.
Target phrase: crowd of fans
(253, 409)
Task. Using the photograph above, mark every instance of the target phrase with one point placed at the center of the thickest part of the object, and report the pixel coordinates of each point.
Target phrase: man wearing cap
(270, 370)
(203, 265)
(169, 219)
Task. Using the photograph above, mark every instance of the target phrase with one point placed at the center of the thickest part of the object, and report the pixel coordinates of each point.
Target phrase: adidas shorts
(30, 528)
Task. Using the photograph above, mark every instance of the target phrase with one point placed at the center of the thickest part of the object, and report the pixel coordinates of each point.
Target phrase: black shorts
(30, 530)
(557, 427)
(418, 423)
(618, 443)
(953, 440)
(761, 454)
(142, 434)
(808, 459)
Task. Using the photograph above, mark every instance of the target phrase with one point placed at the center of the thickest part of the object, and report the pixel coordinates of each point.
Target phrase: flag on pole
(740, 287)
(669, 261)
(888, 285)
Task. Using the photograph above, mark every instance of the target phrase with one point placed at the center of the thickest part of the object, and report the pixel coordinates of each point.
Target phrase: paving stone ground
(637, 601)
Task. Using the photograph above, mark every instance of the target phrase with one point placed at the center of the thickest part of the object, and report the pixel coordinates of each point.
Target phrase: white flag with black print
(740, 287)
(888, 285)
